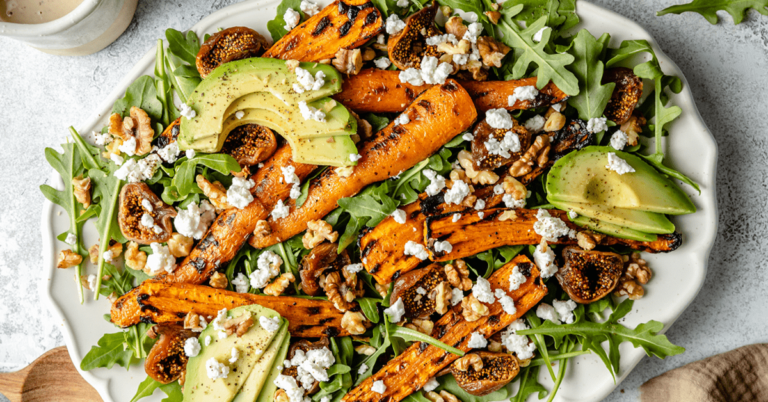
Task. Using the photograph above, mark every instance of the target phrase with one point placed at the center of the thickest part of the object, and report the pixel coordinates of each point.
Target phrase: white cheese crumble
(128, 147)
(499, 119)
(394, 24)
(535, 123)
(443, 246)
(117, 159)
(456, 217)
(207, 341)
(440, 39)
(354, 157)
(618, 165)
(473, 32)
(550, 228)
(399, 216)
(381, 39)
(100, 139)
(363, 368)
(396, 311)
(169, 153)
(516, 279)
(402, 3)
(544, 258)
(437, 182)
(420, 290)
(290, 177)
(191, 347)
(147, 220)
(240, 282)
(434, 72)
(564, 310)
(291, 387)
(479, 204)
(307, 82)
(460, 59)
(518, 344)
(480, 215)
(309, 8)
(482, 291)
(353, 268)
(292, 18)
(572, 215)
(194, 221)
(558, 107)
(71, 239)
(456, 296)
(310, 113)
(270, 324)
(134, 171)
(467, 137)
(547, 312)
(402, 119)
(234, 355)
(507, 303)
(239, 114)
(477, 341)
(280, 211)
(411, 76)
(379, 387)
(382, 63)
(524, 93)
(510, 143)
(92, 282)
(469, 16)
(538, 35)
(456, 194)
(187, 111)
(511, 202)
(161, 259)
(597, 124)
(431, 385)
(147, 205)
(216, 370)
(239, 194)
(415, 249)
(267, 267)
(619, 140)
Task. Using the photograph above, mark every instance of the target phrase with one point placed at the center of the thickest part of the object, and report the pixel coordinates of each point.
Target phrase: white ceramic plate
(678, 276)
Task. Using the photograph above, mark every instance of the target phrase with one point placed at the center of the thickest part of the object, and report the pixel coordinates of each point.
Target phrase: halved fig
(481, 156)
(250, 144)
(320, 259)
(625, 96)
(572, 137)
(169, 134)
(499, 369)
(305, 346)
(414, 288)
(166, 360)
(230, 44)
(409, 46)
(588, 276)
(132, 210)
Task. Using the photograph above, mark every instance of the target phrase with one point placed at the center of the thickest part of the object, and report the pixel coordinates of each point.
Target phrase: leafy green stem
(75, 228)
(541, 344)
(410, 335)
(106, 235)
(558, 356)
(560, 372)
(87, 156)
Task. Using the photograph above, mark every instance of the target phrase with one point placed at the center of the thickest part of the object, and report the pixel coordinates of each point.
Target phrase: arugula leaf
(670, 172)
(377, 122)
(664, 115)
(594, 96)
(163, 85)
(366, 205)
(90, 155)
(119, 282)
(148, 387)
(111, 349)
(561, 15)
(529, 384)
(708, 8)
(276, 27)
(305, 186)
(370, 309)
(184, 179)
(448, 383)
(142, 94)
(184, 77)
(410, 335)
(551, 67)
(183, 47)
(386, 7)
(107, 189)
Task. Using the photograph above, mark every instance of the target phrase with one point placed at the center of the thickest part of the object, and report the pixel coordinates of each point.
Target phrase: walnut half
(348, 61)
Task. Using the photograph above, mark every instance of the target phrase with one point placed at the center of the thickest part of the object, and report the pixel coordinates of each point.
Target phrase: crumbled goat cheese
(309, 8)
(117, 159)
(518, 344)
(71, 239)
(234, 355)
(457, 193)
(134, 171)
(618, 165)
(546, 312)
(218, 322)
(439, 39)
(267, 267)
(564, 310)
(477, 341)
(524, 93)
(473, 32)
(516, 279)
(411, 76)
(239, 114)
(455, 217)
(363, 369)
(511, 202)
(270, 324)
(481, 215)
(510, 143)
(402, 3)
(239, 194)
(479, 204)
(382, 63)
(216, 370)
(147, 205)
(399, 216)
(443, 246)
(549, 227)
(207, 341)
(597, 124)
(469, 16)
(535, 123)
(537, 36)
(499, 118)
(170, 152)
(290, 177)
(460, 59)
(415, 249)
(128, 147)
(92, 280)
(194, 221)
(191, 347)
(498, 189)
(187, 111)
(482, 291)
(558, 107)
(307, 82)
(354, 157)
(101, 139)
(381, 39)
(544, 258)
(619, 140)
(310, 113)
(431, 385)
(353, 268)
(379, 387)
(572, 215)
(396, 311)
(420, 290)
(507, 303)
(291, 387)
(467, 137)
(394, 24)
(402, 119)
(240, 282)
(190, 153)
(437, 182)
(434, 72)
(280, 211)
(147, 220)
(161, 259)
(108, 256)
(456, 296)
(291, 18)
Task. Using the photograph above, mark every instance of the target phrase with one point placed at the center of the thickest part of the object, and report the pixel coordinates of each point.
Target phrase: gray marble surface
(726, 65)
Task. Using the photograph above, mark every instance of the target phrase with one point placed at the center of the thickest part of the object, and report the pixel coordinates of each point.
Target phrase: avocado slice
(649, 222)
(613, 230)
(261, 375)
(251, 346)
(582, 177)
(267, 392)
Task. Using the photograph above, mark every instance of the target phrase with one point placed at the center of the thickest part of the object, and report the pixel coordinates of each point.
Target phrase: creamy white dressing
(35, 11)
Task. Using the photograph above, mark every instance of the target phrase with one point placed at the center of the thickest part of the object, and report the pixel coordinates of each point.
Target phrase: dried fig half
(305, 346)
(407, 47)
(133, 208)
(230, 44)
(414, 288)
(572, 137)
(250, 144)
(481, 155)
(498, 369)
(320, 259)
(166, 360)
(625, 96)
(588, 276)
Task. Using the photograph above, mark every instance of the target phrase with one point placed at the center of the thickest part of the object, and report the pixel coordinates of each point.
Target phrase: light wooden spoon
(52, 377)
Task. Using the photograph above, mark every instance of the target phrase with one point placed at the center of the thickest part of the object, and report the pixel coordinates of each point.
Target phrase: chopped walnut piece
(469, 360)
(364, 129)
(555, 122)
(365, 350)
(475, 67)
(291, 65)
(93, 253)
(333, 290)
(538, 153)
(317, 232)
(348, 61)
(218, 281)
(462, 47)
(507, 216)
(586, 240)
(455, 25)
(68, 259)
(636, 274)
(116, 248)
(514, 188)
(239, 324)
(632, 128)
(215, 192)
(448, 397)
(494, 346)
(344, 171)
(180, 245)
(482, 177)
(494, 16)
(458, 275)
(491, 51)
(472, 309)
(278, 286)
(281, 396)
(134, 258)
(194, 322)
(423, 326)
(82, 191)
(262, 229)
(441, 294)
(381, 289)
(137, 126)
(352, 321)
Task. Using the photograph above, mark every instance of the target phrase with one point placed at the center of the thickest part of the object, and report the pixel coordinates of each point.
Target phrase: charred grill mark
(344, 30)
(494, 319)
(490, 216)
(537, 281)
(325, 320)
(422, 346)
(365, 6)
(449, 87)
(380, 90)
(525, 268)
(431, 205)
(146, 307)
(313, 310)
(181, 315)
(324, 23)
(292, 42)
(427, 105)
(199, 264)
(440, 359)
(370, 18)
(352, 14)
(331, 331)
(343, 8)
(376, 268)
(147, 320)
(207, 242)
(396, 275)
(410, 94)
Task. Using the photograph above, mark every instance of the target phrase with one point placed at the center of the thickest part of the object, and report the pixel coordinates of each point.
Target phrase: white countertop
(726, 65)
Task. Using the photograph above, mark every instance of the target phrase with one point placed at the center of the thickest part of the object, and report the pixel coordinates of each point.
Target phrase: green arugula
(561, 14)
(184, 179)
(111, 349)
(340, 373)
(90, 155)
(529, 385)
(448, 383)
(541, 344)
(142, 94)
(387, 7)
(410, 335)
(594, 96)
(566, 347)
(163, 87)
(184, 77)
(368, 206)
(305, 186)
(183, 47)
(276, 27)
(370, 308)
(106, 188)
(148, 387)
(709, 8)
(377, 122)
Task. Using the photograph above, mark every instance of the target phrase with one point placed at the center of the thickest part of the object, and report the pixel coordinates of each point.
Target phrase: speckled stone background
(726, 65)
